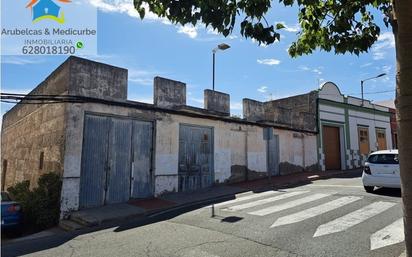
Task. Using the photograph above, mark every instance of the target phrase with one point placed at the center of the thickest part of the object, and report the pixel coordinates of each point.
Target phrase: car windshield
(384, 159)
(5, 197)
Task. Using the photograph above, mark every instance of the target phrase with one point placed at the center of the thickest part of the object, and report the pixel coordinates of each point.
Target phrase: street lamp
(222, 47)
(361, 82)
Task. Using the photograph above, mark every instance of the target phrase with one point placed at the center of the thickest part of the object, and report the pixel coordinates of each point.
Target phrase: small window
(41, 160)
(384, 159)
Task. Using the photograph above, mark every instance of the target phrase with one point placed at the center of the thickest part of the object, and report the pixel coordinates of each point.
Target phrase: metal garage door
(142, 150)
(331, 147)
(195, 157)
(115, 151)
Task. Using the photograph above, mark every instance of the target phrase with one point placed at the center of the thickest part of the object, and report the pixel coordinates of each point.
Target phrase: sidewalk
(175, 201)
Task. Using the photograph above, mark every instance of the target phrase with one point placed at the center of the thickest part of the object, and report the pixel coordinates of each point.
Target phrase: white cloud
(189, 30)
(317, 71)
(141, 77)
(212, 31)
(126, 6)
(385, 42)
(290, 28)
(20, 60)
(366, 65)
(386, 69)
(304, 68)
(268, 61)
(261, 44)
(262, 89)
(135, 96)
(196, 100)
(23, 91)
(236, 106)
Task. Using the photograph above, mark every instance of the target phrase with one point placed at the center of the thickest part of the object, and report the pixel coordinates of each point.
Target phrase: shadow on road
(40, 244)
(393, 192)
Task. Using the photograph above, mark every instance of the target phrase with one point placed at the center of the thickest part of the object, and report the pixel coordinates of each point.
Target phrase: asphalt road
(332, 217)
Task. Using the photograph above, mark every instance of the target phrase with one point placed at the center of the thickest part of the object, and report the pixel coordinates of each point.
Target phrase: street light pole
(222, 47)
(214, 56)
(362, 81)
(361, 86)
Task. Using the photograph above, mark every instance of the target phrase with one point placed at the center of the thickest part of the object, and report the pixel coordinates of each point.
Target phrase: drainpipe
(303, 152)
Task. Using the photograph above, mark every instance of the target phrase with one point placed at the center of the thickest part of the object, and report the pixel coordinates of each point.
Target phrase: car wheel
(369, 189)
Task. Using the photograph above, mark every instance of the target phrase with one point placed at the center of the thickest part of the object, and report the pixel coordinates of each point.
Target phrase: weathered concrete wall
(229, 150)
(217, 102)
(33, 135)
(98, 80)
(239, 149)
(169, 93)
(253, 110)
(295, 111)
(297, 152)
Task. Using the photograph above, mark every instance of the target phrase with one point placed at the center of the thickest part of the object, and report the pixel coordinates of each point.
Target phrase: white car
(381, 170)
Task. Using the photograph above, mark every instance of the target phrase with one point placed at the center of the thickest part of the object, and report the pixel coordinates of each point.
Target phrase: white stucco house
(349, 129)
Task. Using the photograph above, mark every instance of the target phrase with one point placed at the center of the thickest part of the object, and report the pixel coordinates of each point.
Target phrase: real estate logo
(46, 9)
(48, 27)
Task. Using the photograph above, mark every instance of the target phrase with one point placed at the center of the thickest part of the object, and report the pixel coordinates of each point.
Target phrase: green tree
(341, 26)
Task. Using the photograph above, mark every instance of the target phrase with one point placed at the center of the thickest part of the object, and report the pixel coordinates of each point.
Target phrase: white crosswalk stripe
(392, 234)
(315, 211)
(389, 235)
(265, 201)
(247, 197)
(291, 204)
(353, 218)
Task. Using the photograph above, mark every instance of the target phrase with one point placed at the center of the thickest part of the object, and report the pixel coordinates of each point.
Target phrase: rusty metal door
(195, 157)
(273, 155)
(119, 159)
(115, 152)
(331, 147)
(94, 161)
(142, 149)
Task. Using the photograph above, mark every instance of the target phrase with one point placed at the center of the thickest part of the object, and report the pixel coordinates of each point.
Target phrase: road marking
(389, 235)
(334, 186)
(248, 197)
(265, 201)
(315, 211)
(196, 252)
(353, 218)
(288, 205)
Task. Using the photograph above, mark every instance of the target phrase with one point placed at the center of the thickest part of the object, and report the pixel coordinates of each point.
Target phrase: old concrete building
(349, 128)
(108, 149)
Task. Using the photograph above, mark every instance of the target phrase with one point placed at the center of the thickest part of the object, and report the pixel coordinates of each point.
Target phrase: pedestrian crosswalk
(279, 203)
(353, 218)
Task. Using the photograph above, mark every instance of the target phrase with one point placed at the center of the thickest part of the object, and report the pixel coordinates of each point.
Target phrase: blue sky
(154, 47)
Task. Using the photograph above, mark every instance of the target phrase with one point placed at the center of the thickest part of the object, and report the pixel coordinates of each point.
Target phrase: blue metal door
(142, 148)
(116, 161)
(195, 157)
(94, 161)
(118, 173)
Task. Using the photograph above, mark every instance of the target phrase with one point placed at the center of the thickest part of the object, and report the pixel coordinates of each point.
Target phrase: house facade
(349, 129)
(108, 149)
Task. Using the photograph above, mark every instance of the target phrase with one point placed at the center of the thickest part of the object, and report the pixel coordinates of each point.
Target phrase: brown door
(381, 138)
(331, 147)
